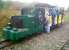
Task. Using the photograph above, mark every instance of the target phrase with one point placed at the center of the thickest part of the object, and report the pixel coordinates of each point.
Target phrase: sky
(60, 3)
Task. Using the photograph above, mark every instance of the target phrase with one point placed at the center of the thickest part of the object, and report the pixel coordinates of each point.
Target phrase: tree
(4, 5)
(67, 9)
(1, 5)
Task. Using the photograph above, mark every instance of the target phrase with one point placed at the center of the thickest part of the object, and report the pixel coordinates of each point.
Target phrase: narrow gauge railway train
(32, 20)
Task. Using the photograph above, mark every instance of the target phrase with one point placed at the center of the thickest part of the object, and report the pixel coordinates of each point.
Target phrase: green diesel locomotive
(32, 20)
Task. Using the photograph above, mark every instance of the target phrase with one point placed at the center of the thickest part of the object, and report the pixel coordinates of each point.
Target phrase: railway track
(5, 43)
(65, 46)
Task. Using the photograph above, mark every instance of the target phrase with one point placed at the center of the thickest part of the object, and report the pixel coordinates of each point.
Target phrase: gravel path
(52, 41)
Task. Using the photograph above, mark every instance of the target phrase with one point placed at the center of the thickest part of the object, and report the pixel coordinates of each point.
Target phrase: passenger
(53, 14)
(57, 13)
(62, 14)
(46, 24)
(44, 17)
(41, 18)
(50, 11)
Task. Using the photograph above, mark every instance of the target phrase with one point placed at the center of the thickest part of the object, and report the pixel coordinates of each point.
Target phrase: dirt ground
(65, 46)
(52, 41)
